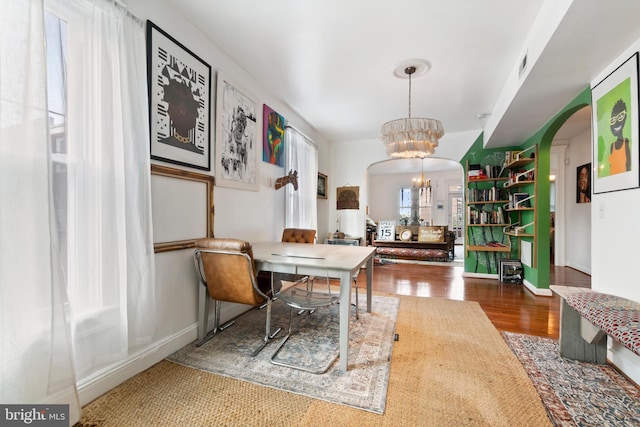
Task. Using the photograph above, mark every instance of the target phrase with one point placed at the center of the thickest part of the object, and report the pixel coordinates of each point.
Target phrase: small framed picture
(583, 183)
(521, 200)
(322, 186)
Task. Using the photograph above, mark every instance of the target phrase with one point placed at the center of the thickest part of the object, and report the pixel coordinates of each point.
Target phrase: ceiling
(332, 61)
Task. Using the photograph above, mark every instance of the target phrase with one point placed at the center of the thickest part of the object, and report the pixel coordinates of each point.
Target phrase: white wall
(615, 233)
(384, 189)
(578, 227)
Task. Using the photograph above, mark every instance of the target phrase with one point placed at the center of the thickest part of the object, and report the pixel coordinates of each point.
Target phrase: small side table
(347, 241)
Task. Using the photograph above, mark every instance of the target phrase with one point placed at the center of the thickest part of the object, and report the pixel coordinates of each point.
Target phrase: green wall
(538, 275)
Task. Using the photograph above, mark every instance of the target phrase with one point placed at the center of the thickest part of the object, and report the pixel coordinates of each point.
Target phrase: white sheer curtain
(110, 267)
(35, 349)
(301, 206)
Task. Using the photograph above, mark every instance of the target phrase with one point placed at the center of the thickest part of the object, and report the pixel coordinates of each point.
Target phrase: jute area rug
(576, 393)
(313, 345)
(450, 367)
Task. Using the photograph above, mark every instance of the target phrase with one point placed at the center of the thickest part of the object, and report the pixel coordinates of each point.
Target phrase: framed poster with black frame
(179, 102)
(614, 104)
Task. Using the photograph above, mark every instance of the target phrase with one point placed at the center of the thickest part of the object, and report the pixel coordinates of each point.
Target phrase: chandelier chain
(410, 71)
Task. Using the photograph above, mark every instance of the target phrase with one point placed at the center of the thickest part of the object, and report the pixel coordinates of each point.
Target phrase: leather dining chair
(226, 268)
(299, 235)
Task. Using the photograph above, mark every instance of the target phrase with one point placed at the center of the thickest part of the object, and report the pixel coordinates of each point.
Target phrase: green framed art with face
(615, 133)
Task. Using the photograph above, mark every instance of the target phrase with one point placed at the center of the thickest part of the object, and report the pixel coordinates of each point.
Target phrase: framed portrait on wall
(179, 102)
(238, 129)
(583, 183)
(615, 135)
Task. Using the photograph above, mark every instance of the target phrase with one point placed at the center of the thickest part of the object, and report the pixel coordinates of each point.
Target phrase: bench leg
(572, 345)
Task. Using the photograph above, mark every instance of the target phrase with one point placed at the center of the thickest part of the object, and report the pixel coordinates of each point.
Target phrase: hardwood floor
(510, 307)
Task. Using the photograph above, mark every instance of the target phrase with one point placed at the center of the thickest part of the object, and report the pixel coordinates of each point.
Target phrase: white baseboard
(480, 275)
(537, 291)
(95, 386)
(624, 359)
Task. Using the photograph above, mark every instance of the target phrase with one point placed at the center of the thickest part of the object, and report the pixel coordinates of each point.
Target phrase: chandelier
(411, 137)
(421, 182)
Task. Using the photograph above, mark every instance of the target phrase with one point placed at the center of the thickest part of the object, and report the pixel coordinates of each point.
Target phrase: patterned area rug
(576, 393)
(371, 339)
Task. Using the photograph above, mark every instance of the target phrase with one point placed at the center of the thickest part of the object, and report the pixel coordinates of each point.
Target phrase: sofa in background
(427, 243)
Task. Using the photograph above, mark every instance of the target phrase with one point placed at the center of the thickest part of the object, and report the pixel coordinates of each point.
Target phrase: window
(98, 126)
(415, 206)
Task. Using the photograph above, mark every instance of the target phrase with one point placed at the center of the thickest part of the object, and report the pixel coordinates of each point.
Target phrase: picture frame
(583, 183)
(272, 136)
(348, 197)
(322, 186)
(179, 85)
(238, 131)
(615, 140)
(432, 233)
(193, 189)
(521, 200)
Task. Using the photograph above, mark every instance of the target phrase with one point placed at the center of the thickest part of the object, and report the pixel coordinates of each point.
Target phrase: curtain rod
(301, 133)
(123, 4)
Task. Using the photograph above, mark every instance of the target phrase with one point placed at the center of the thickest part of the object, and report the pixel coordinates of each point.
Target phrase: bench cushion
(618, 317)
(411, 253)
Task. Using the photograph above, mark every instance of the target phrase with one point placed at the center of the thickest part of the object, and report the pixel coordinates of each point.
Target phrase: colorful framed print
(272, 137)
(583, 183)
(615, 129)
(179, 102)
(238, 125)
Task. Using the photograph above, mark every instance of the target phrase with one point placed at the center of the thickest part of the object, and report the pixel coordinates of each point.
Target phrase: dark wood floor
(510, 307)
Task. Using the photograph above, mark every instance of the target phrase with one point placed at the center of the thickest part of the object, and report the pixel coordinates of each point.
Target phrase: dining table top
(340, 257)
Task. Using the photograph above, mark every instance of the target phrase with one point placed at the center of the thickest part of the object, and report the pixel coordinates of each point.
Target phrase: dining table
(320, 260)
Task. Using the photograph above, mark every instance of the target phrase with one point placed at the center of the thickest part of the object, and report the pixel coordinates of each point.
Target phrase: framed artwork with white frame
(238, 130)
(614, 104)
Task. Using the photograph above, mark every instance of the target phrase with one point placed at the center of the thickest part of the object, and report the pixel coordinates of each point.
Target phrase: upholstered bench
(587, 316)
(422, 254)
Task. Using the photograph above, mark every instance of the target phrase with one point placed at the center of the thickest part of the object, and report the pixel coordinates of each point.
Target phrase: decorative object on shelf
(322, 186)
(291, 178)
(348, 197)
(411, 137)
(406, 235)
(615, 134)
(386, 230)
(179, 102)
(273, 137)
(431, 233)
(421, 182)
(237, 137)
